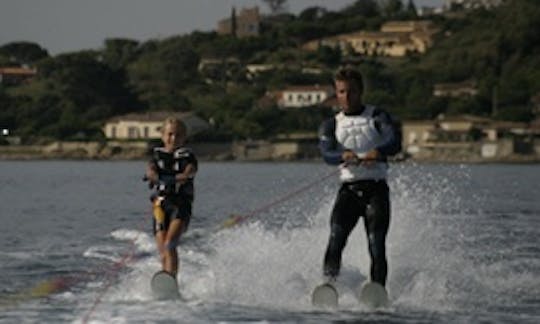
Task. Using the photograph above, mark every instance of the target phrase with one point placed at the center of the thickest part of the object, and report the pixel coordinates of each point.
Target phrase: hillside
(74, 93)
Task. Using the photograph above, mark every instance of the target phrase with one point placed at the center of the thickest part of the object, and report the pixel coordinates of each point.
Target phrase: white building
(303, 96)
(146, 126)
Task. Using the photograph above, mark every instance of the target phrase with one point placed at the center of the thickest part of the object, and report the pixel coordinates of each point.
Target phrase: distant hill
(74, 93)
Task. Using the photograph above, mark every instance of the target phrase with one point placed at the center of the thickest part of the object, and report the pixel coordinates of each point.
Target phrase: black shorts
(175, 208)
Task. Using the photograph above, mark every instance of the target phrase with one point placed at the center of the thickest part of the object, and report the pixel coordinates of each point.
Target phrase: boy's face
(172, 137)
(349, 96)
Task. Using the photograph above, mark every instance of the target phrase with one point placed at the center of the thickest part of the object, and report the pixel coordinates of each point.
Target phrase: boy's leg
(170, 242)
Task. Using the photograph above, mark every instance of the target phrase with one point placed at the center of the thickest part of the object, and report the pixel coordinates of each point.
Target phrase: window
(113, 132)
(146, 132)
(133, 132)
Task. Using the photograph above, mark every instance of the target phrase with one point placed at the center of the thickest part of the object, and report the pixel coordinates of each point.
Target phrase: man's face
(348, 95)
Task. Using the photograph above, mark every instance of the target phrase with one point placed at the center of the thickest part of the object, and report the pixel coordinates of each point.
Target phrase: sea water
(76, 245)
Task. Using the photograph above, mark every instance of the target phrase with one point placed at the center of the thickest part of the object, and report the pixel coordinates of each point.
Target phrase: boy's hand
(152, 175)
(182, 178)
(189, 172)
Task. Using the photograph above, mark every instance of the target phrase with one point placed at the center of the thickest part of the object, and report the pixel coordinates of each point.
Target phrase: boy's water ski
(164, 286)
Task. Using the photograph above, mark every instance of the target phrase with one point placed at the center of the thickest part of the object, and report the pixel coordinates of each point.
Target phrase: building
(246, 24)
(395, 39)
(298, 96)
(145, 126)
(471, 4)
(455, 89)
(467, 138)
(16, 75)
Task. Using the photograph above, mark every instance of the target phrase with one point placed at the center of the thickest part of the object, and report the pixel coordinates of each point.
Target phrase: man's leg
(344, 217)
(376, 223)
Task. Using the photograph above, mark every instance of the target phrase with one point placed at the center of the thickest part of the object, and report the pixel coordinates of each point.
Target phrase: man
(359, 139)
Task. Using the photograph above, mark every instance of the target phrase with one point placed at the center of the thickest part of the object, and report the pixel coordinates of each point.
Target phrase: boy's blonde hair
(180, 125)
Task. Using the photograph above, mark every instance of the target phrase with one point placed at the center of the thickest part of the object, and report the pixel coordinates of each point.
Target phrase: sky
(61, 26)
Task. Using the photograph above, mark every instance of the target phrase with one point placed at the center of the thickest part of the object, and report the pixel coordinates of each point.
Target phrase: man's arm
(330, 149)
(389, 130)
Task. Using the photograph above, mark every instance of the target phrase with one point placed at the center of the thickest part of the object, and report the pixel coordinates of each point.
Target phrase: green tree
(276, 6)
(160, 75)
(119, 52)
(23, 52)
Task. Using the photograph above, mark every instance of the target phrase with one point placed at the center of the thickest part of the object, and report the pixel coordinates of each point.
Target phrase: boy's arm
(190, 169)
(152, 173)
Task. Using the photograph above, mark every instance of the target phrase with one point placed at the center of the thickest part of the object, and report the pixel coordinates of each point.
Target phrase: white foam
(142, 240)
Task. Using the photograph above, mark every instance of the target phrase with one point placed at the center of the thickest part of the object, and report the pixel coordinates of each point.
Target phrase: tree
(159, 76)
(276, 6)
(312, 14)
(23, 52)
(119, 52)
(411, 9)
(391, 8)
(364, 8)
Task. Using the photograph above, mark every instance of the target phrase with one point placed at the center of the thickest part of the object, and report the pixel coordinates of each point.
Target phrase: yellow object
(159, 213)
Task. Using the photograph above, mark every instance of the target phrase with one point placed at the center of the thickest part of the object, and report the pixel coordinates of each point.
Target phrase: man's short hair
(350, 75)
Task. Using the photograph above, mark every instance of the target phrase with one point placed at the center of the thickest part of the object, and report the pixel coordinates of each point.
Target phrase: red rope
(117, 266)
(237, 219)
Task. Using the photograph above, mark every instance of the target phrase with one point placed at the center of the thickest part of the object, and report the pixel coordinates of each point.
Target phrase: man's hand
(371, 158)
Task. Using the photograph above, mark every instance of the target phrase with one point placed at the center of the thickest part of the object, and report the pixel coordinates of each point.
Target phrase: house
(245, 24)
(298, 96)
(455, 89)
(466, 137)
(145, 126)
(16, 75)
(395, 39)
(471, 4)
(417, 132)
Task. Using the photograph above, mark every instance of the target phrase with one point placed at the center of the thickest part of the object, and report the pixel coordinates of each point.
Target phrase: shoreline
(252, 151)
(43, 158)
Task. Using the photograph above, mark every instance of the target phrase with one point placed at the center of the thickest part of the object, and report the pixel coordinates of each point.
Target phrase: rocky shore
(225, 151)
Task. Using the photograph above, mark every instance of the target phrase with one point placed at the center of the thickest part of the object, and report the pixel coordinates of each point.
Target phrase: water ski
(373, 295)
(164, 286)
(325, 296)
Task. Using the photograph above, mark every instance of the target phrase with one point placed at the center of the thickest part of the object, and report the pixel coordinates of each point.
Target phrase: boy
(171, 172)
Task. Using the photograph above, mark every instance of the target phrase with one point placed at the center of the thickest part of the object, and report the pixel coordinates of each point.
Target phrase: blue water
(463, 245)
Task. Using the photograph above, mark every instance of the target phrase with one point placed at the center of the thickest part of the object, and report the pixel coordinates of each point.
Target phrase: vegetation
(74, 93)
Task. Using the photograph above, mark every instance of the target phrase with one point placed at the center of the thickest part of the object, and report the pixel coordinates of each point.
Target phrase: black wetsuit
(177, 199)
(360, 197)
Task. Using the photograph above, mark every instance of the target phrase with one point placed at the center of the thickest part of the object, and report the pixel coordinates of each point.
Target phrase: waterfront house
(146, 126)
(16, 75)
